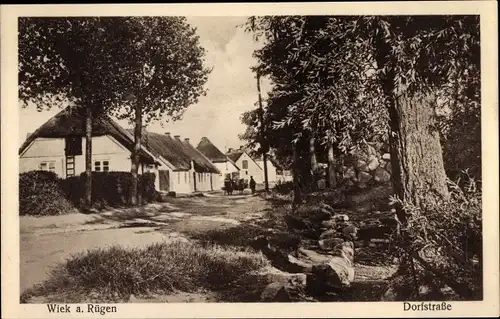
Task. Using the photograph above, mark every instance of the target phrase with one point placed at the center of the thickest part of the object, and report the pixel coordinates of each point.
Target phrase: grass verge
(113, 274)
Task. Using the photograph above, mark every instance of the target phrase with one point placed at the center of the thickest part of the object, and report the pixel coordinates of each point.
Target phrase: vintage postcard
(250, 160)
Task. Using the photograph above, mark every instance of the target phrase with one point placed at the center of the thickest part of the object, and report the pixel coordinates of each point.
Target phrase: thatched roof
(71, 122)
(207, 148)
(177, 152)
(204, 164)
(234, 155)
(166, 147)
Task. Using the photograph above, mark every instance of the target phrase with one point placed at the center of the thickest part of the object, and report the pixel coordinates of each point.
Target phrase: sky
(232, 88)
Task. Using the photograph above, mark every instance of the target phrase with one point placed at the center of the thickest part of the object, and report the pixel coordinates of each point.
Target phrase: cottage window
(199, 177)
(185, 177)
(178, 177)
(105, 166)
(48, 166)
(101, 166)
(244, 164)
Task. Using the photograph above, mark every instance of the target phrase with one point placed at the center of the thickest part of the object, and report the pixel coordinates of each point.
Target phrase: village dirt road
(46, 241)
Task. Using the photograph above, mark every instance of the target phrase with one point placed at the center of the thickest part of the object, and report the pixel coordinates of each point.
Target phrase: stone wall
(367, 168)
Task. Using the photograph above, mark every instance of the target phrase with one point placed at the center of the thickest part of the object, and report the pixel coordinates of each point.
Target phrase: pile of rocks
(372, 169)
(327, 262)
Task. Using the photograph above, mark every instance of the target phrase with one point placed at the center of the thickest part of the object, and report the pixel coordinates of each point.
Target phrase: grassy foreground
(113, 274)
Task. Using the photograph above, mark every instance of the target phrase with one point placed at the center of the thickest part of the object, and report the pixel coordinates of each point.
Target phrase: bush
(40, 194)
(284, 188)
(109, 188)
(158, 268)
(448, 239)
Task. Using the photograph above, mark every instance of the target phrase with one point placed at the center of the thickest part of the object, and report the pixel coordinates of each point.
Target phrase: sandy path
(47, 241)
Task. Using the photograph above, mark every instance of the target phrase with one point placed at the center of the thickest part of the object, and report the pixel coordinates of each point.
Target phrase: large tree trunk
(332, 178)
(88, 157)
(418, 173)
(134, 198)
(416, 151)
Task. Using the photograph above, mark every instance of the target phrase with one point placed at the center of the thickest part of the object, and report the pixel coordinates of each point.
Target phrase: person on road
(252, 184)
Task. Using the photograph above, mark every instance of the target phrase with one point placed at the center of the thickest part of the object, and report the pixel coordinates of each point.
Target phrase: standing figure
(252, 184)
(228, 186)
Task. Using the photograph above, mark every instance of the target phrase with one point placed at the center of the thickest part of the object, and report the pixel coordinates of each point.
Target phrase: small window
(97, 166)
(186, 177)
(48, 166)
(244, 164)
(246, 172)
(178, 177)
(199, 177)
(105, 166)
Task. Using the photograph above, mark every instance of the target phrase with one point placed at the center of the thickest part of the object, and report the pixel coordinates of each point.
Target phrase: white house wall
(252, 170)
(104, 148)
(271, 171)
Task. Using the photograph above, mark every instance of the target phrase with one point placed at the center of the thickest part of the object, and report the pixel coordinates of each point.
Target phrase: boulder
(330, 223)
(386, 157)
(350, 173)
(331, 233)
(330, 243)
(338, 271)
(341, 217)
(290, 291)
(381, 175)
(350, 232)
(373, 164)
(276, 292)
(275, 275)
(364, 177)
(388, 167)
(361, 165)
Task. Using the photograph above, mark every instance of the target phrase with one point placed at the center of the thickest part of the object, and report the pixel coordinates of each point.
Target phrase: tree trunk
(134, 198)
(416, 151)
(416, 154)
(302, 173)
(297, 190)
(314, 163)
(88, 157)
(332, 178)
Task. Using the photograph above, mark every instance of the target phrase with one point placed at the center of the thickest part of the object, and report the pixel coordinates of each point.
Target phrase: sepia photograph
(258, 158)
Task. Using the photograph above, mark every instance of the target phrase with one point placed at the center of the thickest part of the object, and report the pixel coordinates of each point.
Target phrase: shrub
(447, 239)
(109, 188)
(284, 188)
(41, 195)
(158, 268)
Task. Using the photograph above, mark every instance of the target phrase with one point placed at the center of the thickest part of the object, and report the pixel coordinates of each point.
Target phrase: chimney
(229, 150)
(167, 134)
(177, 137)
(186, 140)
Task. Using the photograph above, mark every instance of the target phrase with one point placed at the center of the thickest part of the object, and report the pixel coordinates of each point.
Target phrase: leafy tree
(63, 59)
(324, 86)
(407, 67)
(161, 61)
